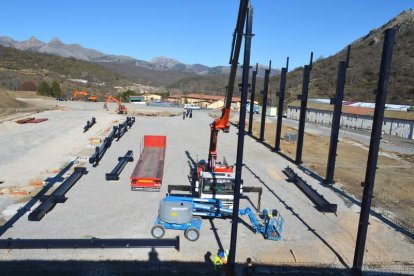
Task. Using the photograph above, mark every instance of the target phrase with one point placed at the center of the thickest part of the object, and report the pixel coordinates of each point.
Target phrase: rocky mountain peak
(164, 61)
(55, 41)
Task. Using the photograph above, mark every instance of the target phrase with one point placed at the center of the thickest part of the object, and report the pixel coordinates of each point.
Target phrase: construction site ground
(97, 208)
(394, 184)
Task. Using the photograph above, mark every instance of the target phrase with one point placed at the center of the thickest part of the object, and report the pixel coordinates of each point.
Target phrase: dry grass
(394, 183)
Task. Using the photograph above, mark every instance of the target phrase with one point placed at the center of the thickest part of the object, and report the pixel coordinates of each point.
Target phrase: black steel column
(264, 103)
(336, 119)
(281, 95)
(240, 140)
(252, 91)
(302, 117)
(374, 148)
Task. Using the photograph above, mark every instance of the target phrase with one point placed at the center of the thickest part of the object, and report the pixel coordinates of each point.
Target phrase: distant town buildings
(357, 116)
(203, 101)
(144, 98)
(394, 107)
(78, 81)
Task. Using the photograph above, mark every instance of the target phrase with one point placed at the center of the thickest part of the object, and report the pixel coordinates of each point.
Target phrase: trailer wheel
(192, 234)
(158, 231)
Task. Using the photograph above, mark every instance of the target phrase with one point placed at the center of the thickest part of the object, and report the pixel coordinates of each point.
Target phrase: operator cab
(218, 186)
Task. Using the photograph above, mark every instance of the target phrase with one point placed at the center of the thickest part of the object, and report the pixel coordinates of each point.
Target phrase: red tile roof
(210, 97)
(357, 110)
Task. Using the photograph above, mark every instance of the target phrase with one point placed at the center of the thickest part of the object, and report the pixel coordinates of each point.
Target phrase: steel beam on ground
(89, 124)
(321, 203)
(88, 243)
(114, 175)
(100, 151)
(58, 196)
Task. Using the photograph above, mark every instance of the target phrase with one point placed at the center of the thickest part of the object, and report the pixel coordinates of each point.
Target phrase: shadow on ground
(152, 267)
(22, 211)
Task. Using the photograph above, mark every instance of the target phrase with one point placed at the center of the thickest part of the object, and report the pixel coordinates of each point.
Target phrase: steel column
(336, 119)
(252, 96)
(281, 96)
(264, 103)
(374, 148)
(240, 140)
(303, 105)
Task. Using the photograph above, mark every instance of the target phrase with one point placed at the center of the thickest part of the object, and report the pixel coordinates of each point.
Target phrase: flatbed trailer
(148, 173)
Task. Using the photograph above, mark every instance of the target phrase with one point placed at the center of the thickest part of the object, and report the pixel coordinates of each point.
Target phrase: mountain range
(57, 47)
(34, 60)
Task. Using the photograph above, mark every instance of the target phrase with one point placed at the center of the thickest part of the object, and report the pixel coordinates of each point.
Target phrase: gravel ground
(97, 208)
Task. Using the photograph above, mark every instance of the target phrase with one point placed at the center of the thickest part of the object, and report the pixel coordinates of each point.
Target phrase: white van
(191, 106)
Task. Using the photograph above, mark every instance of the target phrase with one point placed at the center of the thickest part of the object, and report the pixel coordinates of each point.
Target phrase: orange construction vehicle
(92, 98)
(85, 96)
(216, 179)
(76, 95)
(121, 108)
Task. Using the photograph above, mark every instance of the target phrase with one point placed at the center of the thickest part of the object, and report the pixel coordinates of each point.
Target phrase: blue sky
(195, 31)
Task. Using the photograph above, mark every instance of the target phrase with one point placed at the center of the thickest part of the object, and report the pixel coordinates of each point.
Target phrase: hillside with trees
(362, 74)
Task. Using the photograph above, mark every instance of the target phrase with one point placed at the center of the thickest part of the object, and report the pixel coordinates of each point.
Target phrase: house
(144, 98)
(203, 101)
(397, 123)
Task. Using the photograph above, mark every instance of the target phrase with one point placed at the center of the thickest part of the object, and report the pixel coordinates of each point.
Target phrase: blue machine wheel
(158, 231)
(192, 234)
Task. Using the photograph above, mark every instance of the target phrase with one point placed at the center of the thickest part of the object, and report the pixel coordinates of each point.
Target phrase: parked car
(255, 109)
(60, 99)
(191, 106)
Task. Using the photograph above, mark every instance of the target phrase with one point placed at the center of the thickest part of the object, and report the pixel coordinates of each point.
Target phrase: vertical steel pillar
(302, 117)
(374, 148)
(336, 119)
(240, 140)
(252, 91)
(264, 104)
(281, 95)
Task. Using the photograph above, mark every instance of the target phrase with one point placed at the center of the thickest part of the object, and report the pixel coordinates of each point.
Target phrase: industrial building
(397, 123)
(144, 98)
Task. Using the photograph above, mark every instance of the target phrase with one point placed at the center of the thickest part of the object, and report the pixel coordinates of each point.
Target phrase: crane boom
(222, 123)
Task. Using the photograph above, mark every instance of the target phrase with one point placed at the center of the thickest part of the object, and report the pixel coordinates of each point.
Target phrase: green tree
(43, 89)
(55, 90)
(124, 96)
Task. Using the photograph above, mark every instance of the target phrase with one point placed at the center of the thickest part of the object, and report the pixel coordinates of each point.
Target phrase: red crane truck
(148, 173)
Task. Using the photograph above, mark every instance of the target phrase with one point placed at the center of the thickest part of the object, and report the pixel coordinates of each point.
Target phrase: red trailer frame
(148, 173)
